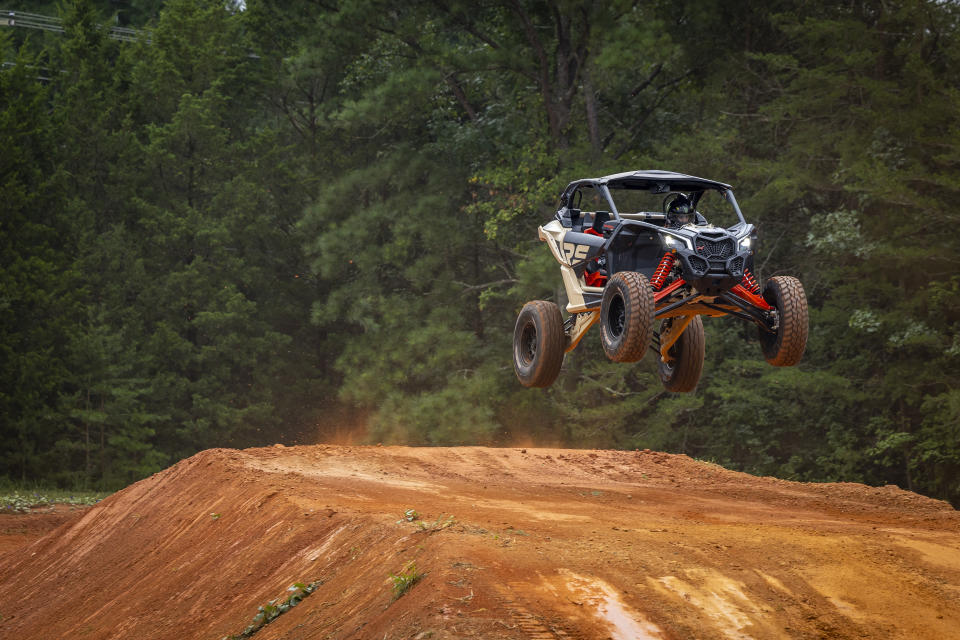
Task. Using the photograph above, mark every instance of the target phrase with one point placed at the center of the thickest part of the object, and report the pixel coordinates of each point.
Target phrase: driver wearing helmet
(680, 212)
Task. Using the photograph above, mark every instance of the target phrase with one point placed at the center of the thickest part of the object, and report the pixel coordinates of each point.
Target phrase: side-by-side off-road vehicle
(648, 248)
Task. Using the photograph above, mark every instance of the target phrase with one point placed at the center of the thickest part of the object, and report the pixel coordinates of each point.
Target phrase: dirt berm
(513, 543)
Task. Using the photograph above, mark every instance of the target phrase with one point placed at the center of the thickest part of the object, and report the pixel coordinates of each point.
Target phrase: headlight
(746, 243)
(673, 242)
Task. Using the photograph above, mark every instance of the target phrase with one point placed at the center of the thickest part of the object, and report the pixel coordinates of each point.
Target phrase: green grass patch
(24, 501)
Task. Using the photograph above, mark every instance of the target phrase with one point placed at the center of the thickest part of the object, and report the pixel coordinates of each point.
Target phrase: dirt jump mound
(471, 542)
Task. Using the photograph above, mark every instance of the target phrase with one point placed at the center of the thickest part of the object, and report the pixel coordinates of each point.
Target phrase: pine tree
(37, 284)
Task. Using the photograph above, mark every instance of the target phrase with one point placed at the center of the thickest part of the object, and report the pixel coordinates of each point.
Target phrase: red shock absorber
(749, 282)
(663, 270)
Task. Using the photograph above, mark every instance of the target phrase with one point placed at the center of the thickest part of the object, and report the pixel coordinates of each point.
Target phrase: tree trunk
(559, 81)
(590, 105)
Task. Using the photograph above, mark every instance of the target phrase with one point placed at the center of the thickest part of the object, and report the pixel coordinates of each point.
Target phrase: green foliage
(259, 218)
(176, 271)
(27, 501)
(405, 579)
(269, 612)
(410, 515)
(38, 297)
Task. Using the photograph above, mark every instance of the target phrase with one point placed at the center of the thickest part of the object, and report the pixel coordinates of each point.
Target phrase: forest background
(309, 220)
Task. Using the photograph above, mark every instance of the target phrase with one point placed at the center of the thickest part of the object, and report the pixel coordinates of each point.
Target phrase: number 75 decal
(575, 252)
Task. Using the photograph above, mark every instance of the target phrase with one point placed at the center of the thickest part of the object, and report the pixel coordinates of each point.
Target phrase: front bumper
(711, 275)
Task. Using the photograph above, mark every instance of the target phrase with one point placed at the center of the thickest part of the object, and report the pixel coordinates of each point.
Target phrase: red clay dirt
(18, 529)
(514, 543)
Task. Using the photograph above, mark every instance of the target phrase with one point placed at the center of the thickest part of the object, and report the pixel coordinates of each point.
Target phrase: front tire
(626, 316)
(538, 344)
(785, 347)
(682, 374)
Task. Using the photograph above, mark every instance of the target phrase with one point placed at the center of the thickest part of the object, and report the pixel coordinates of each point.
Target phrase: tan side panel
(553, 234)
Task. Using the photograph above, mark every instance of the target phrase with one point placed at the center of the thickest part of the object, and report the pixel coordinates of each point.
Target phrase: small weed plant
(269, 612)
(441, 523)
(410, 515)
(405, 579)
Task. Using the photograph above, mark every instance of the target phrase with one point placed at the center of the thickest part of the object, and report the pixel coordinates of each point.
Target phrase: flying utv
(647, 254)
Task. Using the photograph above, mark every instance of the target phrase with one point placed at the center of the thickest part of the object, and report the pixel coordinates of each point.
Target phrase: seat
(596, 274)
(598, 219)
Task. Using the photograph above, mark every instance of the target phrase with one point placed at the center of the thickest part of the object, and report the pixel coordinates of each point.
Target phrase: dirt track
(545, 543)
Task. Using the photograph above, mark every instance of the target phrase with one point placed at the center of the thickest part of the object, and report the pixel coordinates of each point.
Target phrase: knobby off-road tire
(785, 347)
(682, 374)
(626, 316)
(538, 344)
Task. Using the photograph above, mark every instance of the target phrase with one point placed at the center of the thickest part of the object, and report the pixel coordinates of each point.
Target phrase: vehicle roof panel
(650, 178)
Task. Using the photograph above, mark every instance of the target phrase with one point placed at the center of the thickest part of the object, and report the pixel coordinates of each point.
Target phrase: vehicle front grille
(736, 265)
(716, 249)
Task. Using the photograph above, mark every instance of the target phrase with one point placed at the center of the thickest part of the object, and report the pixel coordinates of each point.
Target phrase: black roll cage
(654, 181)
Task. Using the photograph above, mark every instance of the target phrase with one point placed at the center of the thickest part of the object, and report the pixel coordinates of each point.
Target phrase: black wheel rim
(617, 316)
(528, 344)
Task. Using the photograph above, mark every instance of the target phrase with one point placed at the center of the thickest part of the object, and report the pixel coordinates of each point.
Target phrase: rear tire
(538, 344)
(785, 347)
(682, 374)
(626, 316)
